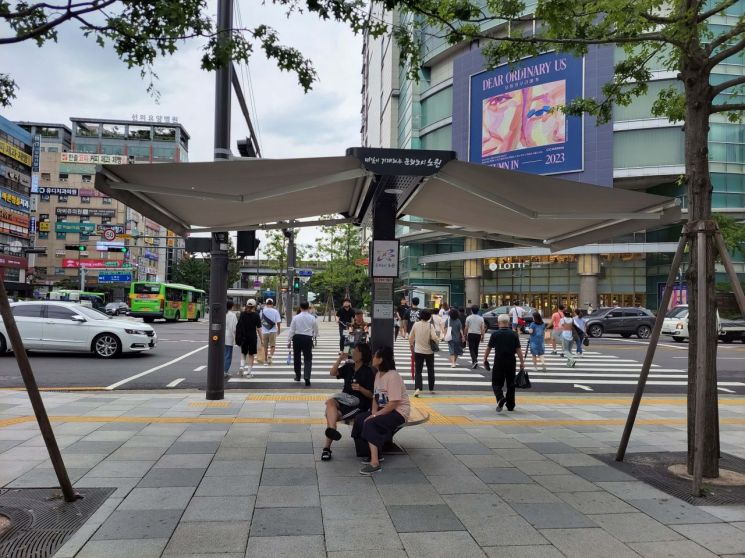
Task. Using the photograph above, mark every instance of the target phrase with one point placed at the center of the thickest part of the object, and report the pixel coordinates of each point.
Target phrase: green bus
(93, 299)
(150, 300)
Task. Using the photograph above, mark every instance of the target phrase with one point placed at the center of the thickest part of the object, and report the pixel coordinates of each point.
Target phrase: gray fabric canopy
(461, 198)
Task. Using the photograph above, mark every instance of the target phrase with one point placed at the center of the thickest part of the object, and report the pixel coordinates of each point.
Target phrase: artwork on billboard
(516, 122)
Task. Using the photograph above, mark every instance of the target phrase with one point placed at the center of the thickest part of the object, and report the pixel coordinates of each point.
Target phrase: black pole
(33, 394)
(384, 228)
(219, 260)
(291, 262)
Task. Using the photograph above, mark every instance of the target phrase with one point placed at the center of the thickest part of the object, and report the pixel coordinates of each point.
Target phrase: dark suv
(625, 321)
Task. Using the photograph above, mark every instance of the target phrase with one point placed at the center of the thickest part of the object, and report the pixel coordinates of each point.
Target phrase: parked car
(491, 316)
(676, 325)
(71, 327)
(116, 308)
(624, 321)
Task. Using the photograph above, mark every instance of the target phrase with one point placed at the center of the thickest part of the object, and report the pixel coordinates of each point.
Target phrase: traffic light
(296, 285)
(120, 249)
(247, 243)
(75, 247)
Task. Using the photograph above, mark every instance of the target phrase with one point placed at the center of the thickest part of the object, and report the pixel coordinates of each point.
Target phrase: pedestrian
(355, 397)
(344, 317)
(516, 314)
(270, 327)
(444, 309)
(536, 340)
(231, 323)
(390, 409)
(248, 334)
(474, 332)
(590, 308)
(555, 326)
(453, 335)
(423, 333)
(396, 325)
(506, 345)
(303, 329)
(580, 329)
(484, 309)
(414, 312)
(567, 337)
(403, 317)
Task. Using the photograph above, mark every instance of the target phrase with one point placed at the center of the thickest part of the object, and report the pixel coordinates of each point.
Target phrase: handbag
(433, 344)
(347, 399)
(522, 380)
(449, 334)
(586, 341)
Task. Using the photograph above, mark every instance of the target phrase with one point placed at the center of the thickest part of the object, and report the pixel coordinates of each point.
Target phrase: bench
(416, 417)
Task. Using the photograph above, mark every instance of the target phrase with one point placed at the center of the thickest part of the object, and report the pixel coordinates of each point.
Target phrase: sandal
(333, 434)
(326, 454)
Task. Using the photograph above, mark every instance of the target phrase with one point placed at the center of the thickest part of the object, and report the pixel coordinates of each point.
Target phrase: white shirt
(272, 314)
(231, 322)
(474, 323)
(304, 324)
(516, 312)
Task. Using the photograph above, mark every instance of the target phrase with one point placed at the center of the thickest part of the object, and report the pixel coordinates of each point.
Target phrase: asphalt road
(611, 365)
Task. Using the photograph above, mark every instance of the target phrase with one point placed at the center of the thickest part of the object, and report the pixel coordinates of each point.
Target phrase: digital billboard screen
(515, 119)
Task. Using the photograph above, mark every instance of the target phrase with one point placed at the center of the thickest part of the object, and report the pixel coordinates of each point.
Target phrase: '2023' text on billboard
(516, 122)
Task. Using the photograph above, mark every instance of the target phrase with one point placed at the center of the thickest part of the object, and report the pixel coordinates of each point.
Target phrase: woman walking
(453, 334)
(536, 341)
(422, 334)
(580, 329)
(247, 335)
(567, 337)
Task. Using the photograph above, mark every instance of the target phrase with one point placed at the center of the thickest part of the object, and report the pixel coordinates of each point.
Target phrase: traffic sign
(114, 277)
(124, 236)
(304, 272)
(109, 234)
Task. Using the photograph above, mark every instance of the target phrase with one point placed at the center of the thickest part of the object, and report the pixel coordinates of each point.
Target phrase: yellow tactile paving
(220, 404)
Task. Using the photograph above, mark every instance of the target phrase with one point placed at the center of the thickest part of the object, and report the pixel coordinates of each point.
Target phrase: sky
(75, 77)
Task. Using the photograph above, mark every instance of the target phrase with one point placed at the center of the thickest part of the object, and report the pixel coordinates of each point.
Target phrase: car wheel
(727, 339)
(107, 345)
(643, 332)
(625, 335)
(595, 330)
(679, 339)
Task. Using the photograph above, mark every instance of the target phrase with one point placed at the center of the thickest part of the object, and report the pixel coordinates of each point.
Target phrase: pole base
(215, 395)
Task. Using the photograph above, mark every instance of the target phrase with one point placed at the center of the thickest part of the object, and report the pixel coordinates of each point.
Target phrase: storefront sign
(154, 118)
(84, 212)
(65, 227)
(44, 226)
(36, 151)
(15, 153)
(390, 161)
(55, 191)
(91, 193)
(11, 229)
(14, 175)
(13, 200)
(70, 263)
(385, 258)
(118, 229)
(13, 261)
(507, 266)
(14, 218)
(93, 158)
(516, 122)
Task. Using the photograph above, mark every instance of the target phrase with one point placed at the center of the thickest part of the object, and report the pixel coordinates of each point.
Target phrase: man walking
(344, 317)
(474, 331)
(506, 345)
(270, 326)
(516, 313)
(303, 329)
(556, 318)
(231, 323)
(403, 317)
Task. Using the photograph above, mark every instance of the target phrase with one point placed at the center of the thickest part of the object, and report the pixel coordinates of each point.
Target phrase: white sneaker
(417, 392)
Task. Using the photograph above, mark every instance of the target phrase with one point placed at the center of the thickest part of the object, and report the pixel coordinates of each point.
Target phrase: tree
(141, 31)
(192, 271)
(674, 35)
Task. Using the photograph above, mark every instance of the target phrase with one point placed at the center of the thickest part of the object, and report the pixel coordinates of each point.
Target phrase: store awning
(449, 195)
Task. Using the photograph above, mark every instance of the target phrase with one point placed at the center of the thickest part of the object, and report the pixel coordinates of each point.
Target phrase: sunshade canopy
(448, 195)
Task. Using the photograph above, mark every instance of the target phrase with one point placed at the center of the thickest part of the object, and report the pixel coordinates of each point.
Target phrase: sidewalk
(243, 477)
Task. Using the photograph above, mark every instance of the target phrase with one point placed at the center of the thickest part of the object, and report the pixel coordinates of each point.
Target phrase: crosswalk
(594, 370)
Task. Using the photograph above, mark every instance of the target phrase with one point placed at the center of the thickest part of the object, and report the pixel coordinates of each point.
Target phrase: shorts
(250, 346)
(269, 339)
(346, 411)
(556, 335)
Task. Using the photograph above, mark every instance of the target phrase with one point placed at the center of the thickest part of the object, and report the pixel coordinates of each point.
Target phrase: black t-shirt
(247, 324)
(345, 316)
(365, 377)
(504, 342)
(403, 311)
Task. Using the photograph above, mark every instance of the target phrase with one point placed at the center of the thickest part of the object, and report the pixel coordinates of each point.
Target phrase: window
(27, 311)
(615, 314)
(633, 313)
(112, 131)
(112, 149)
(85, 199)
(86, 147)
(44, 197)
(53, 149)
(46, 176)
(107, 201)
(61, 236)
(174, 295)
(62, 198)
(164, 153)
(105, 220)
(87, 129)
(164, 134)
(87, 178)
(48, 132)
(139, 132)
(59, 270)
(63, 177)
(139, 152)
(55, 312)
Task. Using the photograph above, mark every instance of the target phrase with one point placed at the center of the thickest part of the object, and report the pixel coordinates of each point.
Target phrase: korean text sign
(515, 119)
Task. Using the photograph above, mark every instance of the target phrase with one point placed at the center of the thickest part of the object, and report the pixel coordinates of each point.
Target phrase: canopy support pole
(384, 228)
(652, 347)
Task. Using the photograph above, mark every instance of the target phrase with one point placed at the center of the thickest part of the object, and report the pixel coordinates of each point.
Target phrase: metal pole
(290, 276)
(701, 360)
(219, 253)
(653, 340)
(384, 228)
(727, 261)
(33, 394)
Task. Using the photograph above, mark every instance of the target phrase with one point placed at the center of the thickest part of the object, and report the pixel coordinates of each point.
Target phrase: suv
(626, 321)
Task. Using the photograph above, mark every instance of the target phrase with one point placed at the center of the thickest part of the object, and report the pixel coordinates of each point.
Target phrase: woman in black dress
(247, 335)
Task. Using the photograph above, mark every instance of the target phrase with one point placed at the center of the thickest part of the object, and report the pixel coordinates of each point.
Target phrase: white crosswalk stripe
(592, 369)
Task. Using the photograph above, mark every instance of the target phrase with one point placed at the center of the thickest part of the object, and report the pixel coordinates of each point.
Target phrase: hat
(250, 302)
(269, 301)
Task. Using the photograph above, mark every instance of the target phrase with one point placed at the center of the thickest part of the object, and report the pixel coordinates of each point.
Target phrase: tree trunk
(698, 94)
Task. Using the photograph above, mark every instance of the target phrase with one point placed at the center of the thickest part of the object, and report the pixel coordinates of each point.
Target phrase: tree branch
(717, 89)
(715, 10)
(727, 52)
(727, 107)
(718, 41)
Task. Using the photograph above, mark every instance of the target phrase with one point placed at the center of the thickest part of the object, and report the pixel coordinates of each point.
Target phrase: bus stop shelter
(376, 188)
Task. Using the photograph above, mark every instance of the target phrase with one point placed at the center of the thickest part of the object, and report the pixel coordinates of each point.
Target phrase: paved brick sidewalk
(243, 478)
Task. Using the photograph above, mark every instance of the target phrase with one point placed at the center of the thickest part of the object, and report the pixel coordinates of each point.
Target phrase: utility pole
(219, 253)
(290, 307)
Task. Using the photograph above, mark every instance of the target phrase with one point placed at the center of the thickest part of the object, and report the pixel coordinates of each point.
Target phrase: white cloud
(75, 77)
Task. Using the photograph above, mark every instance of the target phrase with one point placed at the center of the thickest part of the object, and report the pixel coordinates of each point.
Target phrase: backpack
(266, 322)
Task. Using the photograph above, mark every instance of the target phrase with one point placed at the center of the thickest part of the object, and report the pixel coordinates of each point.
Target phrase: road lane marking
(586, 388)
(176, 382)
(154, 369)
(726, 390)
(200, 368)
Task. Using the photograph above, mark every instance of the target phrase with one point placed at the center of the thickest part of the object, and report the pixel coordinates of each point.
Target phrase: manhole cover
(41, 521)
(654, 469)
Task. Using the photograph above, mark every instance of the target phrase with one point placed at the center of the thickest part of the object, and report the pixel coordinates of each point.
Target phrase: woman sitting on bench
(390, 409)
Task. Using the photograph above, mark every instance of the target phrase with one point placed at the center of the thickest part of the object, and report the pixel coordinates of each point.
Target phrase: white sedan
(68, 326)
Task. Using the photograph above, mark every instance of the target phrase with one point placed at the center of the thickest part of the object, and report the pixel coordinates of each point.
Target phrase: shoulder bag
(522, 380)
(433, 343)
